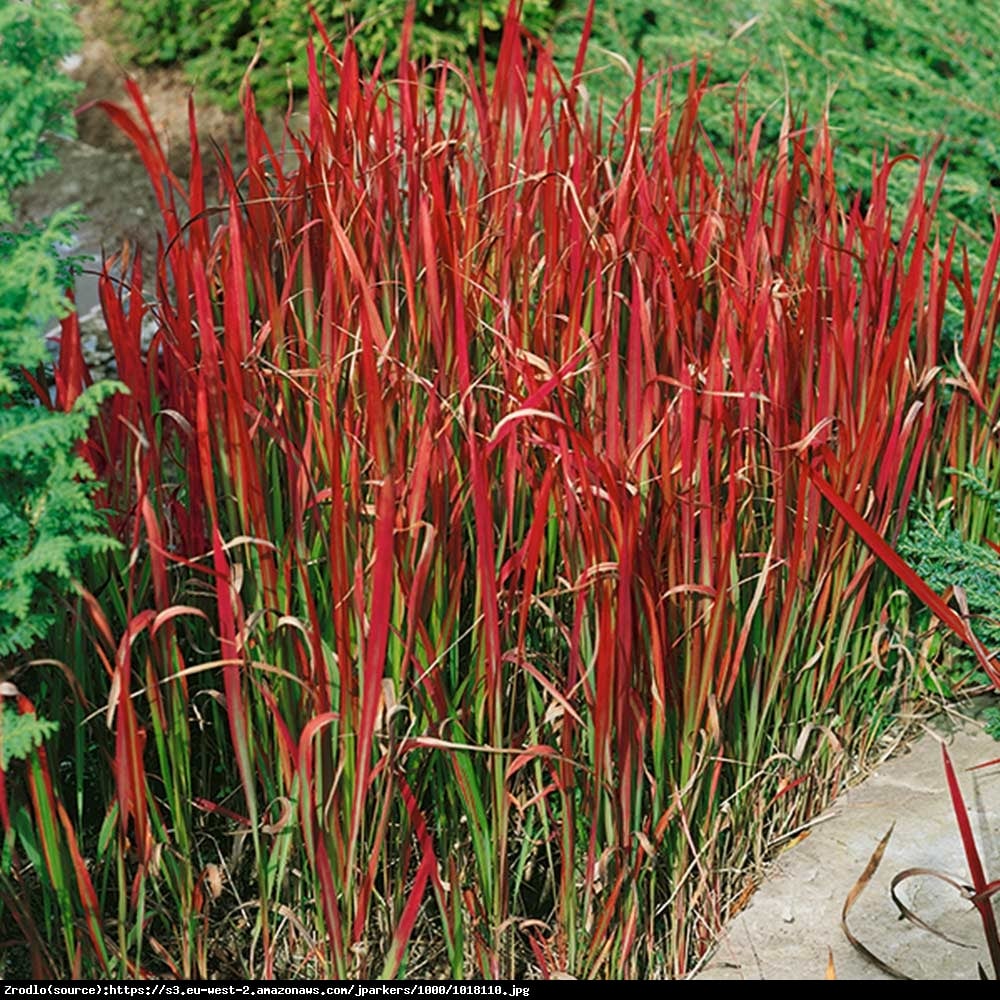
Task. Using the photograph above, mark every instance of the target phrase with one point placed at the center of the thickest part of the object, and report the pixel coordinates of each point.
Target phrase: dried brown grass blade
(852, 897)
(910, 915)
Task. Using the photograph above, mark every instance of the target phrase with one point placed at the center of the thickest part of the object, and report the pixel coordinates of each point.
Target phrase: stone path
(792, 923)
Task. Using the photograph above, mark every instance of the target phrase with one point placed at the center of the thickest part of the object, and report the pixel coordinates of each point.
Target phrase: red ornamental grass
(492, 486)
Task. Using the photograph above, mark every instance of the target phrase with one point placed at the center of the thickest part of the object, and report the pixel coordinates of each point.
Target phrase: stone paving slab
(792, 922)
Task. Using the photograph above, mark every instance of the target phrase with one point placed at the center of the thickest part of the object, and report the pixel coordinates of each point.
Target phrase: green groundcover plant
(961, 559)
(217, 41)
(902, 75)
(507, 498)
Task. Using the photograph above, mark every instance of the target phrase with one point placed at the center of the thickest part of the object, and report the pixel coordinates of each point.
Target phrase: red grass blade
(982, 903)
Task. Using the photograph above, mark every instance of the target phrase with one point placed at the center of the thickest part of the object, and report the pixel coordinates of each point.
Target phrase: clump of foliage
(500, 488)
(946, 556)
(35, 97)
(48, 524)
(938, 551)
(217, 41)
(20, 733)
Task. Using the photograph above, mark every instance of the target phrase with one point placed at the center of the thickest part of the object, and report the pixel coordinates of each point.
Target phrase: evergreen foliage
(218, 39)
(945, 557)
(896, 73)
(20, 734)
(35, 98)
(48, 523)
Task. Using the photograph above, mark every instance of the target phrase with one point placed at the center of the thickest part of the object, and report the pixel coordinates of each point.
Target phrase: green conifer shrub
(946, 556)
(217, 39)
(35, 97)
(892, 73)
(48, 523)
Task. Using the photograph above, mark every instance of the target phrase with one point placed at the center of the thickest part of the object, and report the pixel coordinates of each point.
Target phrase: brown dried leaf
(859, 887)
(213, 879)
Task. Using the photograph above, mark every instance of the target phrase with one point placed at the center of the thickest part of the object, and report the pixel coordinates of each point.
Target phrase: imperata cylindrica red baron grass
(509, 495)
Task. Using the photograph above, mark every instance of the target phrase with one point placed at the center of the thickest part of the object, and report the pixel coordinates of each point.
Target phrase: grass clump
(498, 495)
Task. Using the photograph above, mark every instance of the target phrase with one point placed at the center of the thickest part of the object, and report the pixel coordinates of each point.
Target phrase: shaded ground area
(101, 174)
(792, 923)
